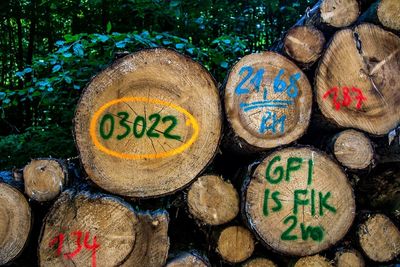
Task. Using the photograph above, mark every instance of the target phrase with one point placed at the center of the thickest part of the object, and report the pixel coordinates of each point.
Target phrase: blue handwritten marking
(267, 103)
(279, 86)
(239, 90)
(271, 116)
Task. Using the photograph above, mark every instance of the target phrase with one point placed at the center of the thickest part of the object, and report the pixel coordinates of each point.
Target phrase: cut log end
(235, 244)
(357, 82)
(188, 259)
(306, 197)
(353, 149)
(212, 200)
(313, 261)
(388, 14)
(15, 223)
(304, 44)
(142, 126)
(349, 258)
(339, 13)
(379, 238)
(259, 262)
(44, 179)
(267, 101)
(109, 231)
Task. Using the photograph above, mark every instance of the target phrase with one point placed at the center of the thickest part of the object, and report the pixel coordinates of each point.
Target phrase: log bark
(235, 244)
(304, 44)
(379, 238)
(189, 259)
(85, 229)
(44, 179)
(306, 197)
(347, 258)
(149, 124)
(353, 149)
(313, 261)
(15, 223)
(267, 102)
(259, 262)
(213, 201)
(356, 82)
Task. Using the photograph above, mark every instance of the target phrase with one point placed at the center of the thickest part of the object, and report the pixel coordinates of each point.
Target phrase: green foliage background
(50, 49)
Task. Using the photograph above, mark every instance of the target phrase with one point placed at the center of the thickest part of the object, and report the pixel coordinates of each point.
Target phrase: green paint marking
(310, 171)
(103, 122)
(139, 120)
(265, 206)
(123, 123)
(298, 201)
(174, 122)
(293, 164)
(286, 234)
(155, 118)
(278, 170)
(323, 203)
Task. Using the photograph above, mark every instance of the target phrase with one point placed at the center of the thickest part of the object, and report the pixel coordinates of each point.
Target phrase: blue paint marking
(269, 121)
(271, 117)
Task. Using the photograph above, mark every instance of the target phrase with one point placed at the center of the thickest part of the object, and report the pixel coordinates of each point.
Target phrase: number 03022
(139, 127)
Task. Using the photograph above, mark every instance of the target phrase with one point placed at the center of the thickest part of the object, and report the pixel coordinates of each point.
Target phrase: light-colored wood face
(349, 259)
(267, 100)
(15, 223)
(313, 261)
(115, 234)
(112, 224)
(365, 81)
(299, 201)
(149, 124)
(388, 14)
(212, 200)
(235, 244)
(380, 238)
(353, 149)
(43, 179)
(339, 13)
(259, 262)
(304, 44)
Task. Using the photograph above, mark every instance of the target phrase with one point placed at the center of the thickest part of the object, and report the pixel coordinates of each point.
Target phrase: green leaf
(56, 68)
(120, 44)
(109, 27)
(78, 50)
(7, 101)
(179, 46)
(28, 70)
(68, 79)
(174, 3)
(67, 54)
(224, 64)
(103, 38)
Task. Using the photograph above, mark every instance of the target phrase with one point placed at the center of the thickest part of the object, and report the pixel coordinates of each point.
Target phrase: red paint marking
(70, 255)
(347, 97)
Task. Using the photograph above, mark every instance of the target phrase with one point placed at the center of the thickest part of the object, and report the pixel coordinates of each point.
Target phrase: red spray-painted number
(78, 234)
(347, 97)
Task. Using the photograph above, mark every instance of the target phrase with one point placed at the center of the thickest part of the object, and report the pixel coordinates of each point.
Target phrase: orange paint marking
(190, 122)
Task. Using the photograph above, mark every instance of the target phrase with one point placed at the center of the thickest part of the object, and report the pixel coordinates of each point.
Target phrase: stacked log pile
(294, 161)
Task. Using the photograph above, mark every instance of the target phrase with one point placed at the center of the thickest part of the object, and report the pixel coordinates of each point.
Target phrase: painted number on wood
(318, 202)
(270, 121)
(348, 95)
(138, 128)
(58, 242)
